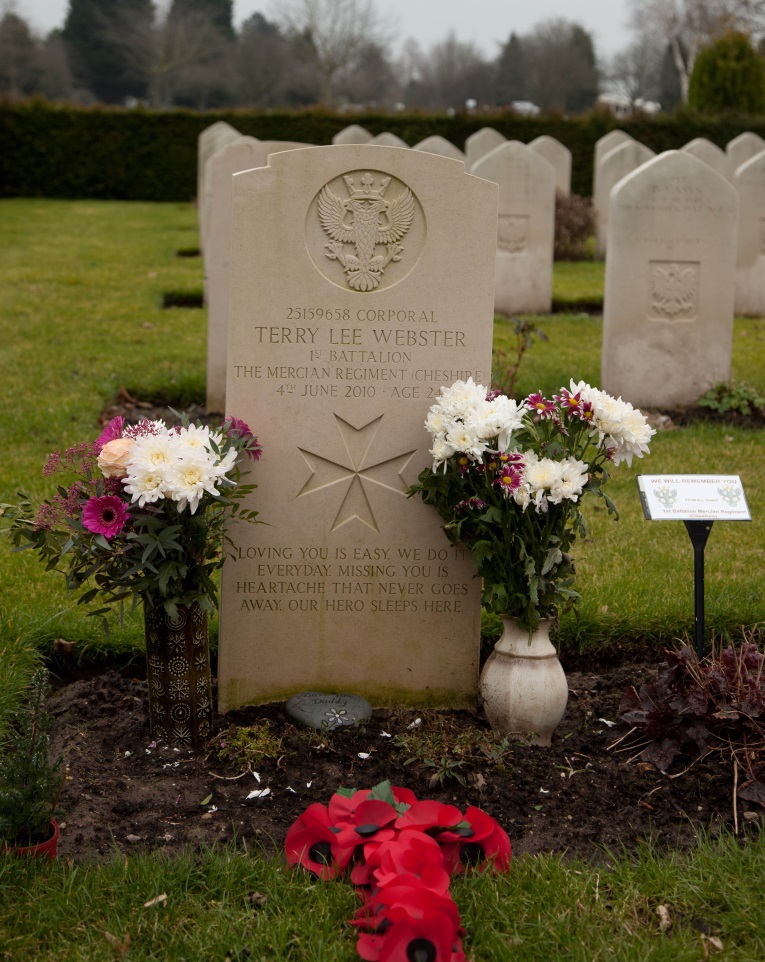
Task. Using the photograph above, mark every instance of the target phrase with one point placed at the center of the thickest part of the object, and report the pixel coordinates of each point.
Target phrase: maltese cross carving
(348, 471)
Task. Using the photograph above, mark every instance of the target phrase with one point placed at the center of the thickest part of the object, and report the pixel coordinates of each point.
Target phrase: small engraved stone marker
(322, 711)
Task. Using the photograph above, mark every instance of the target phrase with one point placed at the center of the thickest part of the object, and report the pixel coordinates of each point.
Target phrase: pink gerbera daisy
(105, 515)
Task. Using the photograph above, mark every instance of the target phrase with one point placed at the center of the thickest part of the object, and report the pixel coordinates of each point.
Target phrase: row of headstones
(361, 281)
(670, 291)
(742, 164)
(528, 177)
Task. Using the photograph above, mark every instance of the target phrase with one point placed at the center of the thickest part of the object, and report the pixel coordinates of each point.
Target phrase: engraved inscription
(513, 233)
(365, 227)
(674, 290)
(353, 469)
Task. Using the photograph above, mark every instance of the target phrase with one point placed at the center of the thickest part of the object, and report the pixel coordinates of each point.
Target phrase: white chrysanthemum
(508, 415)
(462, 398)
(197, 437)
(522, 495)
(441, 452)
(438, 422)
(145, 484)
(466, 441)
(189, 479)
(152, 452)
(620, 426)
(570, 484)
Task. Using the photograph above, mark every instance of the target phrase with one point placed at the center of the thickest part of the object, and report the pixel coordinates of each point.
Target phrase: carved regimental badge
(365, 226)
(674, 292)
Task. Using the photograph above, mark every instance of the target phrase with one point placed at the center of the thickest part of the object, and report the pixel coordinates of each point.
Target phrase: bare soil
(583, 797)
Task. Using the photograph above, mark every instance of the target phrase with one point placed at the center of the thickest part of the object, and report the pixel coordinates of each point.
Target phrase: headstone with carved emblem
(670, 268)
(362, 279)
(525, 227)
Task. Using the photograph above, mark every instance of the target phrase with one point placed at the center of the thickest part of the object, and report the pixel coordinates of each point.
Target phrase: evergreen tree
(728, 75)
(108, 46)
(511, 72)
(583, 90)
(670, 93)
(19, 60)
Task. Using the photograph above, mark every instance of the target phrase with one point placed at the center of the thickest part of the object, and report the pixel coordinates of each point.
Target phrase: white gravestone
(387, 139)
(616, 164)
(749, 181)
(743, 148)
(668, 309)
(441, 146)
(355, 134)
(209, 142)
(242, 154)
(481, 143)
(711, 154)
(362, 279)
(525, 227)
(559, 156)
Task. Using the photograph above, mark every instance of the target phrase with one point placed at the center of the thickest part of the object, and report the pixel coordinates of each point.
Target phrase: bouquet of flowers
(147, 514)
(508, 479)
(401, 854)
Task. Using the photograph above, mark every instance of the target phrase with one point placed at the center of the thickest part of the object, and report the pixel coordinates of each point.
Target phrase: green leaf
(206, 801)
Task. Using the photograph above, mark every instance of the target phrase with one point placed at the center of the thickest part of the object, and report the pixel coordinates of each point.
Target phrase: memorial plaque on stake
(362, 279)
(693, 497)
(698, 500)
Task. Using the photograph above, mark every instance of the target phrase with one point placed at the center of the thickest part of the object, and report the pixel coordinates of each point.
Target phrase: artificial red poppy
(430, 939)
(411, 894)
(310, 840)
(342, 807)
(482, 844)
(429, 816)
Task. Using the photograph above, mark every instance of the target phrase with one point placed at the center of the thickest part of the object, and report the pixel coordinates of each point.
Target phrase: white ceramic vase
(523, 685)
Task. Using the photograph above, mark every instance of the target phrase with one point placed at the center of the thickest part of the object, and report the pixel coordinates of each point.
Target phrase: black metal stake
(699, 532)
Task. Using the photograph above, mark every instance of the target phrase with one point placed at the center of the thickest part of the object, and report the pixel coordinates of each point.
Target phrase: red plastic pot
(46, 849)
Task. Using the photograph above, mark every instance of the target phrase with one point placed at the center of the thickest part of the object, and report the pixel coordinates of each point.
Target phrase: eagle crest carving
(365, 220)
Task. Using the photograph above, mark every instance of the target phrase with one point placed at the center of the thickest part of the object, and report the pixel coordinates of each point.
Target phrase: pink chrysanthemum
(509, 479)
(540, 405)
(571, 403)
(105, 515)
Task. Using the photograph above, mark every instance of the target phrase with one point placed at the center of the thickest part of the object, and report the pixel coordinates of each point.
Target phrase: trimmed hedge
(48, 150)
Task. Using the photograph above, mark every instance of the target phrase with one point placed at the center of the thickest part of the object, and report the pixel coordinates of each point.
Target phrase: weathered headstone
(209, 141)
(525, 227)
(668, 310)
(711, 154)
(743, 148)
(441, 146)
(616, 164)
(480, 143)
(387, 139)
(559, 156)
(749, 181)
(362, 279)
(355, 134)
(241, 154)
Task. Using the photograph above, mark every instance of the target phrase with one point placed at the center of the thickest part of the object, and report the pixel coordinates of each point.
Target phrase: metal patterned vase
(178, 671)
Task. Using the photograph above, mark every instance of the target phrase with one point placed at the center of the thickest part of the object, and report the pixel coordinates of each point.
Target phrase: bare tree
(338, 31)
(634, 73)
(449, 74)
(688, 25)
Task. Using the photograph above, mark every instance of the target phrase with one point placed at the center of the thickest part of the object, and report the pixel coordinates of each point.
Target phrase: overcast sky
(484, 22)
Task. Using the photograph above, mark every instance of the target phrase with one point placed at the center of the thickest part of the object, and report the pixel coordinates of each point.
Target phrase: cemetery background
(107, 268)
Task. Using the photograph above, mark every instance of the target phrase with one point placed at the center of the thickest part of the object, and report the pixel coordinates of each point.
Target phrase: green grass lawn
(81, 290)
